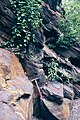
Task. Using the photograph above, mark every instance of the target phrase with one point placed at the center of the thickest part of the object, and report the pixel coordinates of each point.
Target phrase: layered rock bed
(19, 100)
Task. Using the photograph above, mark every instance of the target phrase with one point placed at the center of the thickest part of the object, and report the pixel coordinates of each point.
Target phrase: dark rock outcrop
(53, 91)
(68, 92)
(7, 19)
(76, 89)
(69, 110)
(53, 111)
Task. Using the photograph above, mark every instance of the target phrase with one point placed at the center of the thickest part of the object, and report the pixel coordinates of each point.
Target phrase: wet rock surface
(16, 91)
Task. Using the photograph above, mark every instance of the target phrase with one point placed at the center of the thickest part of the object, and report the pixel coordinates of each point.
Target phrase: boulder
(76, 89)
(52, 111)
(53, 91)
(10, 68)
(68, 110)
(16, 91)
(68, 92)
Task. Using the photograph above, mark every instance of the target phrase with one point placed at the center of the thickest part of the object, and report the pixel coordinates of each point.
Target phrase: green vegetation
(70, 27)
(28, 18)
(52, 70)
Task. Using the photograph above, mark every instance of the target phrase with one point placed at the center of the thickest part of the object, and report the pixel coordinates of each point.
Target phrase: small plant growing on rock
(52, 70)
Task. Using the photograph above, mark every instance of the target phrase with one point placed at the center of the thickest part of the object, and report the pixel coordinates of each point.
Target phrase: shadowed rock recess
(19, 99)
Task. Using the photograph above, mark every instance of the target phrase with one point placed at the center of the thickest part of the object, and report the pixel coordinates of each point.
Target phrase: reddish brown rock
(10, 67)
(16, 91)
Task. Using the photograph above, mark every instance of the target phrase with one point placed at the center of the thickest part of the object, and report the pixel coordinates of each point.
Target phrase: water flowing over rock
(16, 91)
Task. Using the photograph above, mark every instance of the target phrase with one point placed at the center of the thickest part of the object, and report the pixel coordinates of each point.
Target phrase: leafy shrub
(52, 69)
(73, 14)
(28, 18)
(67, 36)
(70, 27)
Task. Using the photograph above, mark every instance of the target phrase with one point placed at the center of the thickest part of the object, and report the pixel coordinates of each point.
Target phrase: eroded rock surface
(68, 92)
(75, 112)
(76, 89)
(16, 91)
(52, 111)
(53, 91)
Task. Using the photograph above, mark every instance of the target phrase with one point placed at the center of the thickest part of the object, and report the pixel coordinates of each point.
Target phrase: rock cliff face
(68, 59)
(7, 19)
(58, 97)
(16, 92)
